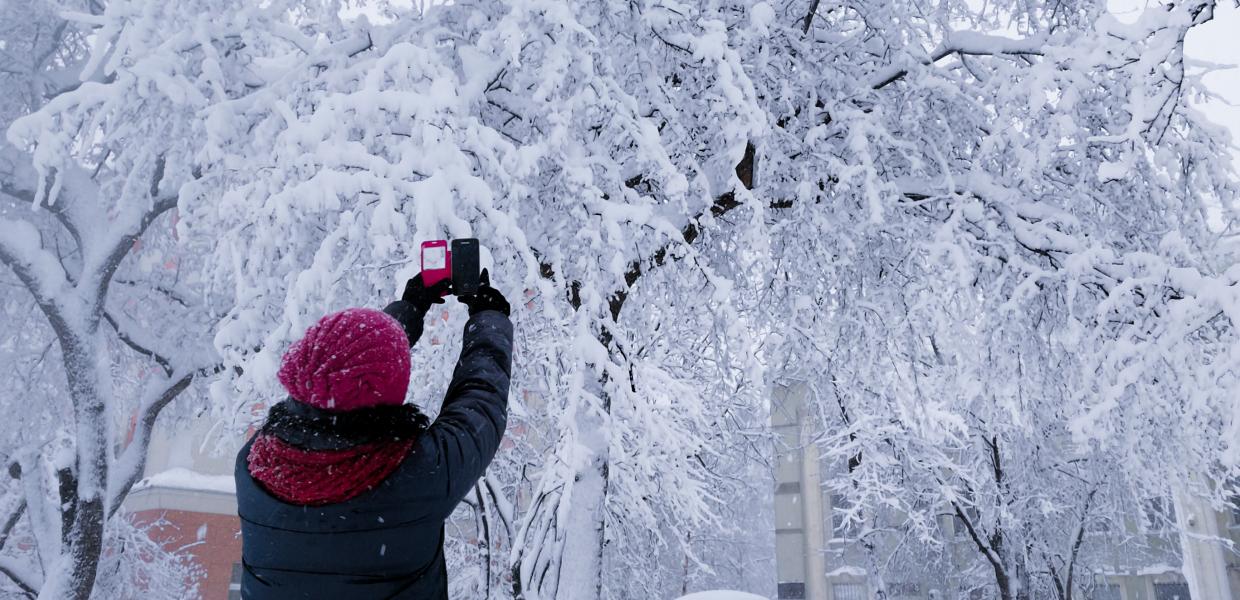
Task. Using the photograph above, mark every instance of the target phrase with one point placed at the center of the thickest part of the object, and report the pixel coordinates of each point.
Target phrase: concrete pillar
(799, 523)
(815, 525)
(1201, 542)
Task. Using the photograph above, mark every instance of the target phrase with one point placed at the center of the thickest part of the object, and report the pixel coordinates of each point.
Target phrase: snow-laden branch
(689, 233)
(317, 57)
(7, 528)
(1046, 230)
(21, 249)
(43, 507)
(78, 209)
(499, 501)
(93, 20)
(100, 266)
(129, 334)
(969, 43)
(13, 505)
(722, 205)
(59, 212)
(21, 574)
(1079, 539)
(978, 539)
(128, 468)
(20, 181)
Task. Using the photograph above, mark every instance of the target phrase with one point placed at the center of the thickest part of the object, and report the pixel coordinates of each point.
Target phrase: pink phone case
(432, 251)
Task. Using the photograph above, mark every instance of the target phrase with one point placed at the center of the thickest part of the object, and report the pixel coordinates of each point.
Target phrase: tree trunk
(581, 575)
(83, 358)
(85, 548)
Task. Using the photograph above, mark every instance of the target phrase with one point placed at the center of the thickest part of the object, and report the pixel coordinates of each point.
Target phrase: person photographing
(344, 491)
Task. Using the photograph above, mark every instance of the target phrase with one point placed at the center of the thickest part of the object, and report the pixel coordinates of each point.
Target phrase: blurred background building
(818, 557)
(188, 498)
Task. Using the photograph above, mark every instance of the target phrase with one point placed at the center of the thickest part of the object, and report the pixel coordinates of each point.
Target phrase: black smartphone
(465, 277)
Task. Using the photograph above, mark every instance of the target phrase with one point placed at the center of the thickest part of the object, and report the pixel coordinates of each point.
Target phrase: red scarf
(310, 457)
(318, 477)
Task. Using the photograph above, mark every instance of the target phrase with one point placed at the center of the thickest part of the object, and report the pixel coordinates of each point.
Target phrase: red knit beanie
(355, 358)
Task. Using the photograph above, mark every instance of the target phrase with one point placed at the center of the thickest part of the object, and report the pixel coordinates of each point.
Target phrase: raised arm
(475, 409)
(413, 305)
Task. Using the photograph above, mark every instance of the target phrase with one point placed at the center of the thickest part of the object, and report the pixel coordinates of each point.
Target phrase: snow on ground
(185, 479)
(722, 595)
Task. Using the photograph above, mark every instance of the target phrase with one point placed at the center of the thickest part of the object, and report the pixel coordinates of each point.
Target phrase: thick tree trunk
(601, 559)
(581, 574)
(85, 548)
(84, 508)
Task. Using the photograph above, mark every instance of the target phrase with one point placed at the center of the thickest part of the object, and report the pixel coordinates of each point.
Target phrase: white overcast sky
(1217, 42)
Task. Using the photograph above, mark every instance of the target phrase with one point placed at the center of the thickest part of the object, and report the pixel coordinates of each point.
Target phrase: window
(962, 530)
(1159, 514)
(791, 591)
(1098, 526)
(234, 585)
(904, 591)
(1171, 591)
(848, 591)
(1104, 591)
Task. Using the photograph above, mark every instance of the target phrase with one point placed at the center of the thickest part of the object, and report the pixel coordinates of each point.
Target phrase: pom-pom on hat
(355, 358)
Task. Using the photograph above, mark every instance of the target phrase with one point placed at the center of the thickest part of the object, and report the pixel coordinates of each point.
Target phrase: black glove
(486, 298)
(415, 303)
(422, 297)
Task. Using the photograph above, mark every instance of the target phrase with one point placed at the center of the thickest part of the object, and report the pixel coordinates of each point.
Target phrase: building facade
(817, 560)
(188, 500)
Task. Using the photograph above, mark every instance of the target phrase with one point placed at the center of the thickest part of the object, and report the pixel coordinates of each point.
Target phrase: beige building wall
(811, 565)
(793, 557)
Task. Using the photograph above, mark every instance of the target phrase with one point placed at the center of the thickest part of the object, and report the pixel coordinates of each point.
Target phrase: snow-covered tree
(102, 322)
(982, 234)
(518, 124)
(1002, 276)
(196, 101)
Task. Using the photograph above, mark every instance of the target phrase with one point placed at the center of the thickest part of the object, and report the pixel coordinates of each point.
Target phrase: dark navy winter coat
(387, 542)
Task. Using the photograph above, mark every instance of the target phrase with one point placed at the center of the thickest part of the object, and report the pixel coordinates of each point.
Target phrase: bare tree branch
(29, 588)
(689, 233)
(139, 348)
(167, 292)
(809, 16)
(26, 197)
(14, 472)
(133, 459)
(34, 266)
(121, 247)
(11, 522)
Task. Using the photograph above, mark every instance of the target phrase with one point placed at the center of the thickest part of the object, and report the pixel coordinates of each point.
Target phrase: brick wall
(219, 550)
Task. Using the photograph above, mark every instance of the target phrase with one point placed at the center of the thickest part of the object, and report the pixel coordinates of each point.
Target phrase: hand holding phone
(436, 263)
(423, 296)
(486, 298)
